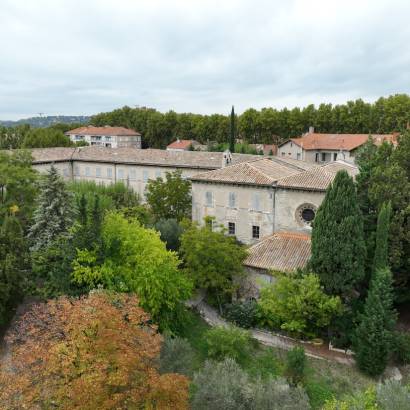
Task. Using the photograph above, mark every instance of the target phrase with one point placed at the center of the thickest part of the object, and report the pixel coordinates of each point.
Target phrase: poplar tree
(232, 136)
(338, 246)
(382, 238)
(374, 334)
(54, 214)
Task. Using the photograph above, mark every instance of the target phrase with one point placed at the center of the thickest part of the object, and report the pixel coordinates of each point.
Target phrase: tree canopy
(96, 352)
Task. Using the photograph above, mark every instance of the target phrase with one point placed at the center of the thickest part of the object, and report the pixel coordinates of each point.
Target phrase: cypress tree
(232, 136)
(374, 334)
(338, 247)
(54, 214)
(382, 238)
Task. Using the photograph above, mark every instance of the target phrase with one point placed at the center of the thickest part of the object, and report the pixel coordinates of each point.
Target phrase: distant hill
(49, 120)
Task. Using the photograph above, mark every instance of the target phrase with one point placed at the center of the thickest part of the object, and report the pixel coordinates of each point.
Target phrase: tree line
(268, 125)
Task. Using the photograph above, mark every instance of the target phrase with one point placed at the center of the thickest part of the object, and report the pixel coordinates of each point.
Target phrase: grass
(323, 381)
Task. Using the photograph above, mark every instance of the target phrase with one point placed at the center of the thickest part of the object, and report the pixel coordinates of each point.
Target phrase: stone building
(134, 167)
(322, 148)
(255, 199)
(110, 137)
(280, 252)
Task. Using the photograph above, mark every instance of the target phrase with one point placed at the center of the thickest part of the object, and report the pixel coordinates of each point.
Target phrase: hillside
(48, 120)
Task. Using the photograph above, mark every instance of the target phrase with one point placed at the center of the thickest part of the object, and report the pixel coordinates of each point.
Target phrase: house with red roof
(321, 147)
(111, 137)
(182, 145)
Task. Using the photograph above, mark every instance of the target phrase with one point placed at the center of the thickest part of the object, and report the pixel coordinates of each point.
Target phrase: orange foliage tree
(96, 352)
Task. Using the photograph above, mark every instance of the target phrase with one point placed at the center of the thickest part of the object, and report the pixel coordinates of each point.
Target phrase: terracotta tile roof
(296, 163)
(113, 131)
(181, 144)
(317, 178)
(263, 171)
(348, 142)
(283, 251)
(155, 157)
(51, 154)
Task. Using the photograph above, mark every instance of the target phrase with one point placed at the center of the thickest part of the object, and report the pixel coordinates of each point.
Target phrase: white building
(110, 137)
(322, 148)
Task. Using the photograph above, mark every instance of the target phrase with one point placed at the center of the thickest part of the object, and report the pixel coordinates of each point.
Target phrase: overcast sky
(83, 57)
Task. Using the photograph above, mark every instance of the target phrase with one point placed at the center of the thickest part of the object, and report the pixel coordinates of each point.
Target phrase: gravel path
(211, 316)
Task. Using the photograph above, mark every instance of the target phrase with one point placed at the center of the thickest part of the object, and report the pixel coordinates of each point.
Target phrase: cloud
(83, 57)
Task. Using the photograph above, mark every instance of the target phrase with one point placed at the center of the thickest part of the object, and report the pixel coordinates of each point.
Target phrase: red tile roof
(283, 251)
(348, 142)
(113, 131)
(181, 144)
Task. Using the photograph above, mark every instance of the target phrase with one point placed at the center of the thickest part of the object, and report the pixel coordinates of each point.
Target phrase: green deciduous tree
(45, 137)
(170, 198)
(134, 259)
(54, 214)
(338, 247)
(212, 259)
(374, 334)
(298, 305)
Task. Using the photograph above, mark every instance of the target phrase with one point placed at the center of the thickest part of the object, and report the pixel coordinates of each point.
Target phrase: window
(317, 157)
(66, 172)
(76, 171)
(255, 232)
(298, 155)
(308, 215)
(256, 202)
(305, 214)
(231, 228)
(334, 156)
(209, 198)
(232, 200)
(107, 138)
(145, 175)
(133, 174)
(120, 174)
(323, 156)
(283, 154)
(109, 173)
(157, 173)
(98, 172)
(87, 171)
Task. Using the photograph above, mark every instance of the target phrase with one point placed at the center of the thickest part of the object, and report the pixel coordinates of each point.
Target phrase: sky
(70, 57)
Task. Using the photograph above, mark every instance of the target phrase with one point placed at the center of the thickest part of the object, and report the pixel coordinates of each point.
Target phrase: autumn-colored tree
(96, 352)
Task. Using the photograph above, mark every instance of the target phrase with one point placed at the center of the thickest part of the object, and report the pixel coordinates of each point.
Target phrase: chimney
(311, 130)
(226, 158)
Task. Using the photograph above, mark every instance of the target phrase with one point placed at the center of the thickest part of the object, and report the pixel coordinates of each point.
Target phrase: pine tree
(374, 333)
(338, 247)
(382, 238)
(54, 214)
(232, 136)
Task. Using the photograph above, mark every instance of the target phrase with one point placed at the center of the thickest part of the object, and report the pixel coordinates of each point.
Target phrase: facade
(323, 148)
(110, 137)
(134, 167)
(183, 145)
(255, 199)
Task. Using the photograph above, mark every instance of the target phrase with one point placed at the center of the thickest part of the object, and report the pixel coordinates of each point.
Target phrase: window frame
(256, 232)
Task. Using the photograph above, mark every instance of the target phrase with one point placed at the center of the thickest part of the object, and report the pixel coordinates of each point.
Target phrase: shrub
(295, 365)
(227, 342)
(177, 356)
(242, 314)
(318, 392)
(402, 347)
(225, 386)
(393, 396)
(276, 394)
(297, 304)
(360, 401)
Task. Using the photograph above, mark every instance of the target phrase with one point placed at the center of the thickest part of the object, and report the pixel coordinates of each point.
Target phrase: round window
(305, 214)
(308, 215)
